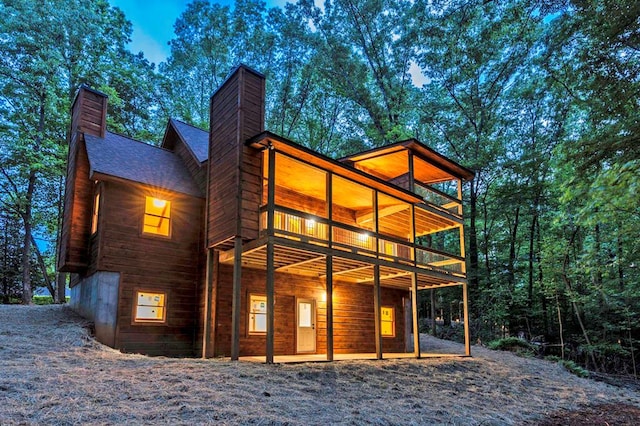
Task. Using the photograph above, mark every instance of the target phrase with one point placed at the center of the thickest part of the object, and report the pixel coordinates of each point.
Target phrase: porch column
(376, 307)
(270, 299)
(467, 337)
(235, 301)
(271, 205)
(208, 346)
(414, 309)
(329, 281)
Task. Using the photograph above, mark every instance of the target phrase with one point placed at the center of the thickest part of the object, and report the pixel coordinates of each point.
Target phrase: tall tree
(47, 49)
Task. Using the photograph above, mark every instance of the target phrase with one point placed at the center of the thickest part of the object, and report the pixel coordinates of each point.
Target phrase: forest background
(539, 98)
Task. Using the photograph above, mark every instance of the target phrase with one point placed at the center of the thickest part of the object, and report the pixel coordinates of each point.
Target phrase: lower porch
(361, 307)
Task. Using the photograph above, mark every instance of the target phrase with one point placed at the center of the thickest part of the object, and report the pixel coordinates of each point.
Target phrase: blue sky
(153, 23)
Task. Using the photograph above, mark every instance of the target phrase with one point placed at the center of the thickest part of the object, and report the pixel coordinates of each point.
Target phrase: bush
(513, 344)
(574, 368)
(42, 300)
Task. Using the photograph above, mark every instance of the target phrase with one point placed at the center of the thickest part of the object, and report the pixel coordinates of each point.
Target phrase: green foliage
(574, 368)
(513, 344)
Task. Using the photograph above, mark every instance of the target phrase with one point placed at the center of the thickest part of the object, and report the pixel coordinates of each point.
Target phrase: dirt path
(52, 372)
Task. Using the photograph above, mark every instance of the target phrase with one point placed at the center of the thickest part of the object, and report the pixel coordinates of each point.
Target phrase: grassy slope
(52, 372)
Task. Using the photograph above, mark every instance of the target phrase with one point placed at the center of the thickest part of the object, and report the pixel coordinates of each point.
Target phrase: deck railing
(315, 230)
(439, 199)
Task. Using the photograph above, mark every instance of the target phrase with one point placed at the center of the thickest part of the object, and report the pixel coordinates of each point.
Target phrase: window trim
(145, 214)
(250, 312)
(95, 213)
(134, 312)
(392, 321)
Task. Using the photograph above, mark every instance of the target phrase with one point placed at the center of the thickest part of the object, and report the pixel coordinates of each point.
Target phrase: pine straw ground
(53, 372)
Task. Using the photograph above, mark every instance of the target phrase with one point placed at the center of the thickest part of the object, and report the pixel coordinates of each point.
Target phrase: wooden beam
(329, 281)
(302, 262)
(235, 300)
(385, 277)
(364, 217)
(414, 310)
(346, 271)
(376, 307)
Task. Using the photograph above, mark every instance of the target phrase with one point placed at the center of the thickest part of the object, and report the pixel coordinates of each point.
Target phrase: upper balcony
(323, 203)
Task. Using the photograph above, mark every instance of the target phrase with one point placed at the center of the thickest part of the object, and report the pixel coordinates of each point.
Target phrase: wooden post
(208, 284)
(270, 299)
(329, 267)
(329, 281)
(235, 301)
(467, 337)
(271, 203)
(376, 307)
(463, 268)
(412, 180)
(414, 308)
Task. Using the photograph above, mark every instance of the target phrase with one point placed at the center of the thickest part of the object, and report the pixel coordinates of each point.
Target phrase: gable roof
(196, 139)
(121, 157)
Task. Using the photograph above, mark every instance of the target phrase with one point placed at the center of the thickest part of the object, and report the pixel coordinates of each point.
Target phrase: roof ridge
(139, 141)
(188, 124)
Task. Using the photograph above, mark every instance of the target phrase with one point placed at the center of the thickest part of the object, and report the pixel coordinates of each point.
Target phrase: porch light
(323, 297)
(310, 224)
(363, 236)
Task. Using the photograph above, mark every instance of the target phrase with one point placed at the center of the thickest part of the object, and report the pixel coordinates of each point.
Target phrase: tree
(46, 51)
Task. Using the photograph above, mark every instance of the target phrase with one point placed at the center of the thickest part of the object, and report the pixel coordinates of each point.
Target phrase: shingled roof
(195, 138)
(125, 158)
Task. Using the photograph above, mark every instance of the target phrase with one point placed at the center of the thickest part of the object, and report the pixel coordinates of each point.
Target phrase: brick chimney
(235, 180)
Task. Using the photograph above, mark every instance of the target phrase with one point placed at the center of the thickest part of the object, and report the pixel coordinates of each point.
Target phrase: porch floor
(293, 359)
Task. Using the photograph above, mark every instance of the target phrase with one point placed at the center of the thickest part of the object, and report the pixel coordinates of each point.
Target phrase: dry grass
(52, 372)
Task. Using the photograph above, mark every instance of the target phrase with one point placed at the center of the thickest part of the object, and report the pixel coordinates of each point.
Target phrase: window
(157, 216)
(257, 314)
(150, 307)
(387, 321)
(96, 210)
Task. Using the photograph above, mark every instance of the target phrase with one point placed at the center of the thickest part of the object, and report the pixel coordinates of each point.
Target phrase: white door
(306, 325)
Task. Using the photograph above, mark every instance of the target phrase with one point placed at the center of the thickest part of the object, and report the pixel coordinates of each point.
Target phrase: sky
(153, 27)
(153, 23)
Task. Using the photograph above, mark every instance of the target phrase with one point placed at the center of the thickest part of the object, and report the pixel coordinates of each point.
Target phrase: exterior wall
(96, 298)
(353, 314)
(154, 264)
(237, 113)
(198, 171)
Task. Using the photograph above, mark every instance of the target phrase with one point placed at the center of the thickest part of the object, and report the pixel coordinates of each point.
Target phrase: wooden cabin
(238, 242)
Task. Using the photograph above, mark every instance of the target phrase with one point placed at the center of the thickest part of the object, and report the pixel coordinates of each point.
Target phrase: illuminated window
(94, 217)
(150, 307)
(257, 314)
(387, 321)
(157, 216)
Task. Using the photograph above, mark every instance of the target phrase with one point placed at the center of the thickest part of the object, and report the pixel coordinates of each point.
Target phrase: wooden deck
(294, 359)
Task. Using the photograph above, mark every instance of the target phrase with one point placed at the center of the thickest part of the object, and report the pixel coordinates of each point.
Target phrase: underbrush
(513, 344)
(523, 348)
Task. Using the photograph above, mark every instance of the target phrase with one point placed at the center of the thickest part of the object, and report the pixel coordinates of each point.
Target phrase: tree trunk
(43, 268)
(26, 247)
(61, 285)
(473, 272)
(61, 277)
